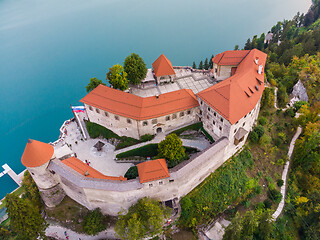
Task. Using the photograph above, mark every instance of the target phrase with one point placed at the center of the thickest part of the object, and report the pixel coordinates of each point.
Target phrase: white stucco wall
(124, 126)
(222, 72)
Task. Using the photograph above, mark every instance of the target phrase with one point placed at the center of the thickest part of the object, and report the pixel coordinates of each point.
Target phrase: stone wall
(223, 72)
(114, 196)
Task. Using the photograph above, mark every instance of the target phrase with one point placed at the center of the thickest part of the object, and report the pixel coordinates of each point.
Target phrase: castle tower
(36, 158)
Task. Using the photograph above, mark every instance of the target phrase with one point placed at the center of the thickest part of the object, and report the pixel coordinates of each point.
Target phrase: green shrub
(146, 138)
(267, 203)
(207, 134)
(259, 130)
(149, 150)
(263, 121)
(195, 127)
(246, 203)
(265, 140)
(95, 130)
(254, 137)
(132, 173)
(274, 195)
(280, 182)
(258, 189)
(289, 112)
(93, 222)
(126, 142)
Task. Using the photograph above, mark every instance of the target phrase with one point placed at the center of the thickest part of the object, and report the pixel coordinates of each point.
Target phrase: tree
(118, 77)
(211, 62)
(200, 65)
(143, 219)
(31, 190)
(206, 64)
(194, 66)
(135, 67)
(25, 218)
(171, 149)
(247, 46)
(93, 222)
(94, 82)
(236, 47)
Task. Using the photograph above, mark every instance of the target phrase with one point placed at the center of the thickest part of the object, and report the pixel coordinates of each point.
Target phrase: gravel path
(58, 232)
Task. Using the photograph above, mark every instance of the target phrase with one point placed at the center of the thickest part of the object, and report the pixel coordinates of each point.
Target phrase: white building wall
(133, 128)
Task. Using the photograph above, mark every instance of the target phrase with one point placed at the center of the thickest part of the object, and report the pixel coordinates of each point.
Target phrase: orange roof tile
(82, 168)
(135, 107)
(153, 170)
(230, 58)
(236, 96)
(36, 153)
(162, 66)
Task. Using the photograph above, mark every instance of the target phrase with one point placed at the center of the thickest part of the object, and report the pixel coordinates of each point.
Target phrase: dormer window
(260, 69)
(256, 61)
(257, 88)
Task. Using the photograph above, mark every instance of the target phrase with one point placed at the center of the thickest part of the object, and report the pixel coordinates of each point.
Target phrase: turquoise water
(50, 49)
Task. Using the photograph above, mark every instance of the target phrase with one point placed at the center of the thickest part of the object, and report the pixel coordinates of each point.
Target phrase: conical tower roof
(36, 153)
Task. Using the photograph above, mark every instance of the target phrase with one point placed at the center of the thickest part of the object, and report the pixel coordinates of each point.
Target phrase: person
(65, 233)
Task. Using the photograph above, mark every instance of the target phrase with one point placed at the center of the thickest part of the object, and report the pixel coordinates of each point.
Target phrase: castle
(228, 107)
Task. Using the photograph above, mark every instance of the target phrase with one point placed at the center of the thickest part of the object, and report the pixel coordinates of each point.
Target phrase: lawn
(96, 130)
(194, 127)
(150, 150)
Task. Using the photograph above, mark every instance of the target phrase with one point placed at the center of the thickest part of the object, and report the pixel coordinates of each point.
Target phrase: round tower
(36, 158)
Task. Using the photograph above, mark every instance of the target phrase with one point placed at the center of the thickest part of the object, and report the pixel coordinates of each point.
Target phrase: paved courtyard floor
(103, 160)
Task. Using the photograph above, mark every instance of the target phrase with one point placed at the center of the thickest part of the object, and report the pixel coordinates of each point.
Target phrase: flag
(78, 109)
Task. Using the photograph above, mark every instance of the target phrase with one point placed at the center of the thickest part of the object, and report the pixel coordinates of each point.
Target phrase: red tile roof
(153, 170)
(236, 96)
(135, 107)
(82, 168)
(36, 153)
(162, 66)
(231, 58)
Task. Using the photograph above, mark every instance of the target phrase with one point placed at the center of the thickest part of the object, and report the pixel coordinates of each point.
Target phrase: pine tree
(206, 64)
(200, 65)
(194, 66)
(211, 62)
(247, 46)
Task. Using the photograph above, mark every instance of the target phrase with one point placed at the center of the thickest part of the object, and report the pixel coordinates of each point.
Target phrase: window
(181, 114)
(90, 108)
(150, 185)
(200, 112)
(160, 183)
(171, 180)
(214, 122)
(154, 121)
(105, 113)
(235, 131)
(215, 114)
(174, 116)
(208, 117)
(128, 120)
(116, 117)
(97, 110)
(145, 123)
(220, 128)
(245, 116)
(237, 122)
(208, 109)
(216, 70)
(189, 112)
(167, 118)
(221, 119)
(201, 102)
(243, 124)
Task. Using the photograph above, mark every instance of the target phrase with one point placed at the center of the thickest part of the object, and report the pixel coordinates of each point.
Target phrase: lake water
(50, 49)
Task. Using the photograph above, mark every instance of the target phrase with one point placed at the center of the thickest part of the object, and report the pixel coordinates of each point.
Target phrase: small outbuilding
(163, 70)
(153, 170)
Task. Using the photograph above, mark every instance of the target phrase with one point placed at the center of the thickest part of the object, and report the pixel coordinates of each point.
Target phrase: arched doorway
(159, 130)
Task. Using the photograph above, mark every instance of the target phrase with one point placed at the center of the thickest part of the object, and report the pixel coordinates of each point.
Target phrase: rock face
(300, 92)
